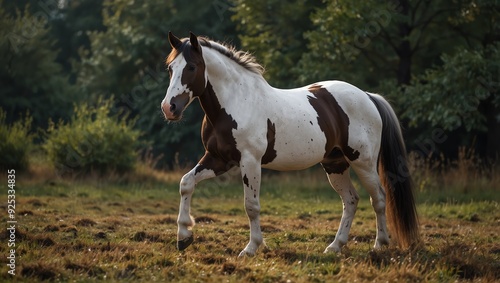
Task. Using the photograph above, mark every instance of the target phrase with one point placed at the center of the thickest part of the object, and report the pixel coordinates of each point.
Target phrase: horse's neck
(229, 85)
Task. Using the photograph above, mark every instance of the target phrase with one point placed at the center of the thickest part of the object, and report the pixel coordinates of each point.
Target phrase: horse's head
(188, 77)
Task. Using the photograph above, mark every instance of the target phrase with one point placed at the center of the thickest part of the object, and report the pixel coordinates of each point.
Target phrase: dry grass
(466, 174)
(125, 230)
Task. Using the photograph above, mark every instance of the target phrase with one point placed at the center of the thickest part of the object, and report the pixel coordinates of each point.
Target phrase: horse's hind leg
(343, 185)
(367, 173)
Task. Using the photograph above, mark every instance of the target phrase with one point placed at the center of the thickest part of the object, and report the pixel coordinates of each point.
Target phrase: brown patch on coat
(193, 74)
(334, 122)
(217, 136)
(335, 162)
(270, 153)
(245, 180)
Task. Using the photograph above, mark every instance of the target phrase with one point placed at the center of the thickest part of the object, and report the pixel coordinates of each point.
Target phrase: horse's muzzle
(173, 110)
(169, 111)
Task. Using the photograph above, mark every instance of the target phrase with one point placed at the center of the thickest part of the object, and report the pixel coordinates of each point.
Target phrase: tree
(377, 41)
(31, 79)
(274, 32)
(462, 93)
(75, 19)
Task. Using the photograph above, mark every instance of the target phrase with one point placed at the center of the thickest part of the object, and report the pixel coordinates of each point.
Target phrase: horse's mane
(243, 58)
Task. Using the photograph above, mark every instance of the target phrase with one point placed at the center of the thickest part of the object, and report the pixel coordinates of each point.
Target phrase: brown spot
(270, 153)
(334, 122)
(245, 180)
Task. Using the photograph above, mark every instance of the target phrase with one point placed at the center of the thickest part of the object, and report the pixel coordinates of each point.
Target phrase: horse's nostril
(172, 107)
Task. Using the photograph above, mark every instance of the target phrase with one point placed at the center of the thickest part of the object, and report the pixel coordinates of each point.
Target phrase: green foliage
(369, 42)
(273, 31)
(15, 142)
(95, 140)
(344, 34)
(77, 18)
(450, 95)
(31, 78)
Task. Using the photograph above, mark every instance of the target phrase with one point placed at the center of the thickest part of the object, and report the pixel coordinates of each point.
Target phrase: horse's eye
(191, 67)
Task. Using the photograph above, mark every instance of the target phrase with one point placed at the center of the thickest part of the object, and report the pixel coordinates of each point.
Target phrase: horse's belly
(297, 149)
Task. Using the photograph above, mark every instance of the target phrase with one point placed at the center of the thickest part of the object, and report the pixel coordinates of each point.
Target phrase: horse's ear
(194, 41)
(175, 42)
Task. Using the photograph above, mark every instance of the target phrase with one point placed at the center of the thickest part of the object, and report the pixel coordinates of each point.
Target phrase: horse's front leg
(251, 175)
(208, 167)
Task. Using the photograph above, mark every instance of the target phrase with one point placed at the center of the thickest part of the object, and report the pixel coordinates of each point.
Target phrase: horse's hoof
(183, 244)
(330, 250)
(244, 254)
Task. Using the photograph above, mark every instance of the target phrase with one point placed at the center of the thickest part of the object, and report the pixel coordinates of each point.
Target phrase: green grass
(115, 231)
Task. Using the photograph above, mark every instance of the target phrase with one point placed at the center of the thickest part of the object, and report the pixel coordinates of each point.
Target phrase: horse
(252, 125)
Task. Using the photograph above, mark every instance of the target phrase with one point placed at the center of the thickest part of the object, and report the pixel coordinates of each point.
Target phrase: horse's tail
(395, 178)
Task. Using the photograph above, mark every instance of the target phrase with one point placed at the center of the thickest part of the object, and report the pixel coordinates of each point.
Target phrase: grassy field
(125, 230)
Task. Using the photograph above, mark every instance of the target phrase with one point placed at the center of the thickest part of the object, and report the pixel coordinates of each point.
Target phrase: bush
(93, 141)
(15, 142)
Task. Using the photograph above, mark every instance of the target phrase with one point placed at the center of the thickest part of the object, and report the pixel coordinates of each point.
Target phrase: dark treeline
(437, 61)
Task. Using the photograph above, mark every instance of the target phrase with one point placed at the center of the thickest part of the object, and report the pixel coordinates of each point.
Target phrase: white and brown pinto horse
(250, 124)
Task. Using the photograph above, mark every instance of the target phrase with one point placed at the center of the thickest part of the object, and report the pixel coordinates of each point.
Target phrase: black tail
(395, 178)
